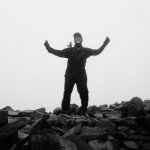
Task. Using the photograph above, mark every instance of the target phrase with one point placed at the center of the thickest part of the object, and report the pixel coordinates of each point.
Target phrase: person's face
(78, 40)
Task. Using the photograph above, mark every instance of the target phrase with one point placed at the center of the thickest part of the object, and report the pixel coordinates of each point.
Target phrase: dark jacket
(76, 56)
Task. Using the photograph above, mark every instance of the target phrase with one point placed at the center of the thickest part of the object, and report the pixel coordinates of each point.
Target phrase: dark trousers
(82, 89)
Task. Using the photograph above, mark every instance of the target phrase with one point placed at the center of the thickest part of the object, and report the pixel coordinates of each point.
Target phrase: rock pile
(120, 126)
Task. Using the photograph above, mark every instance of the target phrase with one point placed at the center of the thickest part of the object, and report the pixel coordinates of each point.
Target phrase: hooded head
(78, 38)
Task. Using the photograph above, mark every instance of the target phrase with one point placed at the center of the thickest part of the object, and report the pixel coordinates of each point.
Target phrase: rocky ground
(120, 126)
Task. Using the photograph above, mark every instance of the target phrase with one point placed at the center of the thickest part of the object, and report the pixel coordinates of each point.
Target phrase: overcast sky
(30, 77)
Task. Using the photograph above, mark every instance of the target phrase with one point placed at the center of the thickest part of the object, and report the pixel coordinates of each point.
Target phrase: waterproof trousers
(81, 82)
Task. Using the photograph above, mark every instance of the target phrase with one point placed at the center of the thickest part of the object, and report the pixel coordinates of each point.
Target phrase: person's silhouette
(75, 72)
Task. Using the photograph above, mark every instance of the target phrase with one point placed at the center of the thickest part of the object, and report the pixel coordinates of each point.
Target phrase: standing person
(75, 72)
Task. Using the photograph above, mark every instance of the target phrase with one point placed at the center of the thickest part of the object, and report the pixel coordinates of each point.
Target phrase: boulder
(7, 108)
(114, 114)
(135, 107)
(131, 122)
(138, 137)
(68, 145)
(57, 111)
(41, 110)
(8, 136)
(82, 120)
(3, 118)
(103, 107)
(145, 102)
(92, 110)
(98, 115)
(147, 122)
(97, 145)
(76, 130)
(58, 130)
(113, 106)
(93, 133)
(106, 125)
(73, 108)
(146, 146)
(26, 113)
(22, 136)
(147, 108)
(13, 113)
(44, 140)
(123, 128)
(131, 144)
(78, 141)
(36, 114)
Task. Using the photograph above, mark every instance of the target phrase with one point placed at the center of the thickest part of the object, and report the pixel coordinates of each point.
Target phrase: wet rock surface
(119, 126)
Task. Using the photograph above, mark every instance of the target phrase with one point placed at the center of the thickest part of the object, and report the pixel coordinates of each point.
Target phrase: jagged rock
(36, 114)
(127, 130)
(53, 121)
(144, 132)
(13, 113)
(62, 120)
(95, 133)
(121, 134)
(98, 115)
(147, 122)
(106, 125)
(131, 144)
(25, 119)
(131, 132)
(113, 106)
(101, 126)
(146, 146)
(73, 108)
(92, 110)
(7, 108)
(44, 140)
(3, 118)
(57, 111)
(145, 102)
(117, 114)
(135, 107)
(121, 107)
(82, 120)
(8, 136)
(137, 137)
(103, 107)
(25, 113)
(123, 128)
(96, 145)
(58, 130)
(131, 122)
(76, 130)
(147, 108)
(40, 123)
(68, 145)
(42, 110)
(116, 120)
(22, 136)
(10, 119)
(78, 141)
(27, 129)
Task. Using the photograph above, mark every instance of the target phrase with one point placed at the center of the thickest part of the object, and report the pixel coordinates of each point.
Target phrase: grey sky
(31, 77)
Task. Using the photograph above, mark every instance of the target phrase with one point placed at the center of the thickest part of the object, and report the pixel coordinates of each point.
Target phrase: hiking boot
(81, 111)
(66, 111)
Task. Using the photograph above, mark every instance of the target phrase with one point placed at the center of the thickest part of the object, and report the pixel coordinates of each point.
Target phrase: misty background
(30, 77)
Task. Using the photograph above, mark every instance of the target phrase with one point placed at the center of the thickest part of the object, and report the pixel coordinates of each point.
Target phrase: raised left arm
(98, 51)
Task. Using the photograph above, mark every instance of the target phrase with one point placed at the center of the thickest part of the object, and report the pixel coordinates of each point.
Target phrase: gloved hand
(46, 44)
(107, 40)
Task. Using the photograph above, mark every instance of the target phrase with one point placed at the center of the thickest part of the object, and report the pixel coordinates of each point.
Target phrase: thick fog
(30, 77)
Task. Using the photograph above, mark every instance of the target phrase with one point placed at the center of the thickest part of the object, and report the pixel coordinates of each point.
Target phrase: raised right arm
(59, 53)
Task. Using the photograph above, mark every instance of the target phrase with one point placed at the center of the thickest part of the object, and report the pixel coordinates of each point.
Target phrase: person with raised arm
(75, 72)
